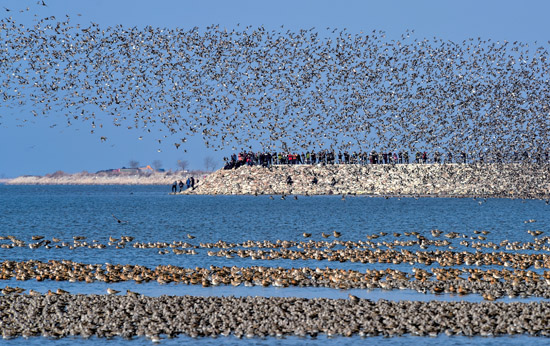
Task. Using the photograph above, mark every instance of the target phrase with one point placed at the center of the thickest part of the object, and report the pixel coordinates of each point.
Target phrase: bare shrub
(209, 164)
(183, 164)
(157, 164)
(56, 174)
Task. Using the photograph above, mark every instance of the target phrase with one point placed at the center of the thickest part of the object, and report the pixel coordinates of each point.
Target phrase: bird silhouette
(364, 95)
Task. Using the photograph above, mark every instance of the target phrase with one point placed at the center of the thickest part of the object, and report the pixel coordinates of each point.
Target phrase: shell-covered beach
(431, 180)
(453, 180)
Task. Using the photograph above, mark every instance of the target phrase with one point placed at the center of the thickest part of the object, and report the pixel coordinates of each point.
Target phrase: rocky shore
(63, 315)
(446, 180)
(484, 180)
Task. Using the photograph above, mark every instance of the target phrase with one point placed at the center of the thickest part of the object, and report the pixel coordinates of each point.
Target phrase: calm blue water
(153, 215)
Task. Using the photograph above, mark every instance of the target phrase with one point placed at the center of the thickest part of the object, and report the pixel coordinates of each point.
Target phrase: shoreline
(368, 195)
(106, 179)
(383, 180)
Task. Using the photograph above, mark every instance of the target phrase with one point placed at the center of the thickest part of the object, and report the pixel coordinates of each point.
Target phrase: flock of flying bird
(281, 89)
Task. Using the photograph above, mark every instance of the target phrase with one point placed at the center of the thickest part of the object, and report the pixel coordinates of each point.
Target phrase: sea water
(151, 214)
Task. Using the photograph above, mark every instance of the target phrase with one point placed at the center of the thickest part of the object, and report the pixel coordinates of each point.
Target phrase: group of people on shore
(402, 157)
(321, 157)
(189, 184)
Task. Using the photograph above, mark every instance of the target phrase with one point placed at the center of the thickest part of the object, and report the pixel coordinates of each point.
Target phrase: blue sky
(37, 148)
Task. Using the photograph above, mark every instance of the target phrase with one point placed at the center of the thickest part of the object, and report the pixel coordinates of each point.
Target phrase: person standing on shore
(181, 185)
(192, 183)
(175, 186)
(188, 183)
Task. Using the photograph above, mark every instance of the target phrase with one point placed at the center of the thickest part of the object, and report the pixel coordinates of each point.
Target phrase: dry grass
(85, 178)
